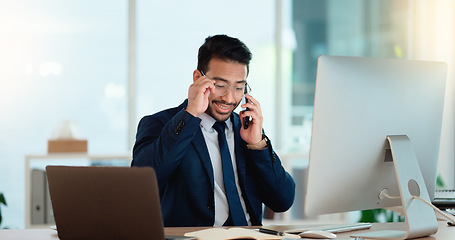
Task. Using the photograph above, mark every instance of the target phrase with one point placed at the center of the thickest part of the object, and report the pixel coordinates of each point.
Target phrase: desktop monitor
(359, 102)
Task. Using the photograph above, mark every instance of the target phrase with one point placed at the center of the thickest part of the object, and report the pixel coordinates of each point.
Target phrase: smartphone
(246, 120)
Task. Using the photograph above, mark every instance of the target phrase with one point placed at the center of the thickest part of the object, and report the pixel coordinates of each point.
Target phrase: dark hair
(225, 48)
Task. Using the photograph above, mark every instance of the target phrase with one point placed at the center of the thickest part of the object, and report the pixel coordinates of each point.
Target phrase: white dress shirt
(211, 140)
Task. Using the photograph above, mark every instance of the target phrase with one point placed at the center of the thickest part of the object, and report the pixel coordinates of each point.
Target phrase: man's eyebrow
(226, 81)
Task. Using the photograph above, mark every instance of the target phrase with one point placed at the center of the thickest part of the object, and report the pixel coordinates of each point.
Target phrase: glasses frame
(247, 88)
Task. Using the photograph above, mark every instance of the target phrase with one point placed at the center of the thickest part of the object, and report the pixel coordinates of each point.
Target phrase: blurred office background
(105, 64)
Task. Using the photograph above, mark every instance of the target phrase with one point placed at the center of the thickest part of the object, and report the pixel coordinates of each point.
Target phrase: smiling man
(211, 169)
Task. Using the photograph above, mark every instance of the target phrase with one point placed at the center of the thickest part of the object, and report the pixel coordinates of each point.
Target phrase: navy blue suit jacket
(172, 142)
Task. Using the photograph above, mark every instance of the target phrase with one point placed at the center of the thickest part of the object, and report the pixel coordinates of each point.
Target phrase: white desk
(444, 233)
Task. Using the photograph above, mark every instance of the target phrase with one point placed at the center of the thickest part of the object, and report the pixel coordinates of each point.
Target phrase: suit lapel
(201, 149)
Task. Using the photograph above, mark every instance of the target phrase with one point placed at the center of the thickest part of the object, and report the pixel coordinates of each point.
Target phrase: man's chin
(219, 116)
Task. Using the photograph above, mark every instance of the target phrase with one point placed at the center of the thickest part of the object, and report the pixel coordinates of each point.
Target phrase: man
(211, 170)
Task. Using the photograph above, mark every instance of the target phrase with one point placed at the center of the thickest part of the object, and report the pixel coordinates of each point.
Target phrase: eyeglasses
(222, 88)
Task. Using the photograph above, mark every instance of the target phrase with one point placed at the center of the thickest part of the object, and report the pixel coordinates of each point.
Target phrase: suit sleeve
(276, 186)
(161, 142)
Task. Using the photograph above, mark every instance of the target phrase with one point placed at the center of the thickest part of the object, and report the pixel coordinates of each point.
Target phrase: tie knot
(219, 127)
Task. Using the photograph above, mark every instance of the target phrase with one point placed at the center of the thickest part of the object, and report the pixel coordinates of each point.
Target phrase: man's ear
(196, 75)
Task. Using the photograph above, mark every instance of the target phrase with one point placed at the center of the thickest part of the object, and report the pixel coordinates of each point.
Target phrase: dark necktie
(235, 207)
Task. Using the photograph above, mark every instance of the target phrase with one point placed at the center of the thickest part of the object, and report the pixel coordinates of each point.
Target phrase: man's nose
(230, 95)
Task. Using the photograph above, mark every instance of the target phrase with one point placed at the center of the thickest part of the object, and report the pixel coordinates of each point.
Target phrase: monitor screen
(358, 103)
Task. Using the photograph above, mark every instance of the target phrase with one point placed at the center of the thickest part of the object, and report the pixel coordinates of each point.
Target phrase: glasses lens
(222, 88)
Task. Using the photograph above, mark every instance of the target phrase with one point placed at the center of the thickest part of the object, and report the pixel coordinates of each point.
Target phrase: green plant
(439, 182)
(2, 201)
(380, 215)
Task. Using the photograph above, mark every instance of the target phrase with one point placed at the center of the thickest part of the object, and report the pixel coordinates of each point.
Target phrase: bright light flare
(113, 90)
(48, 68)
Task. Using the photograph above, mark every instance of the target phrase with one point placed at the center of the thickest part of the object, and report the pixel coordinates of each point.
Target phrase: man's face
(233, 74)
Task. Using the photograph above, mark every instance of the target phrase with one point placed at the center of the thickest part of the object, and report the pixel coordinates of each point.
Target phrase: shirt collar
(208, 121)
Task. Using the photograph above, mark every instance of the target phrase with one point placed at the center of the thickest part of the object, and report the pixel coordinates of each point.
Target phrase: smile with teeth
(223, 107)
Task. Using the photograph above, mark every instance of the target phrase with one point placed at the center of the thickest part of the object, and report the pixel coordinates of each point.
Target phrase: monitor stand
(420, 218)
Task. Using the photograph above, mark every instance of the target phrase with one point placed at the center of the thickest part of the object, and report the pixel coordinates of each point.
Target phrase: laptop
(106, 203)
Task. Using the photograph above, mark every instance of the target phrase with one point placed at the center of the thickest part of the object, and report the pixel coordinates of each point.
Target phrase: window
(346, 28)
(169, 34)
(60, 60)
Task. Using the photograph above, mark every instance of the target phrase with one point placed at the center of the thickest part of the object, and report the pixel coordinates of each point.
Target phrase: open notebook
(219, 233)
